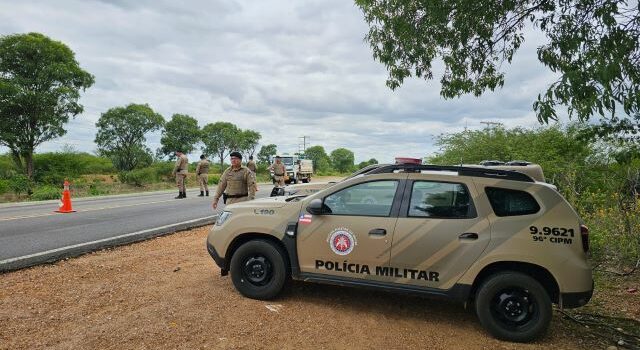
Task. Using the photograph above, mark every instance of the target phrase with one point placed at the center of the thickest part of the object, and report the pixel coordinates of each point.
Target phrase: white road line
(2, 262)
(83, 210)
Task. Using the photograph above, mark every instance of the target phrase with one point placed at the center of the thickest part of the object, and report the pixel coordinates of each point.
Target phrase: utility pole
(302, 145)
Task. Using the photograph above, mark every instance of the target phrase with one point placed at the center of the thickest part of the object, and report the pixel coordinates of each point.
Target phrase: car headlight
(223, 217)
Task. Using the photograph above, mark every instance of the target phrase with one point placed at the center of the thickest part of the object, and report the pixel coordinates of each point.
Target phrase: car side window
(366, 199)
(440, 200)
(507, 202)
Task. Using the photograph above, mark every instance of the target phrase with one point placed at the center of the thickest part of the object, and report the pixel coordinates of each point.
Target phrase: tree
(321, 161)
(266, 152)
(555, 148)
(121, 135)
(622, 137)
(342, 160)
(40, 83)
(220, 138)
(180, 133)
(367, 163)
(249, 142)
(594, 46)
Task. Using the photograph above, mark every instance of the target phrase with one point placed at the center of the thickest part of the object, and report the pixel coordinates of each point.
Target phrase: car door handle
(378, 232)
(468, 235)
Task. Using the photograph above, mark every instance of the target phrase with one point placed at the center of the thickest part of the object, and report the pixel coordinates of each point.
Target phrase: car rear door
(439, 233)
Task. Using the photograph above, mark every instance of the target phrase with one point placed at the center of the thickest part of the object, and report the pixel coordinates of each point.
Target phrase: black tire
(513, 306)
(259, 270)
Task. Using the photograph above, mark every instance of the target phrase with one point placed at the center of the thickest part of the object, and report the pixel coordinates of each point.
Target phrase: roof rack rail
(461, 170)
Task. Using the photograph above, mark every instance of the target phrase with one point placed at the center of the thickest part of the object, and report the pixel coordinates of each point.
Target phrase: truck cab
(297, 169)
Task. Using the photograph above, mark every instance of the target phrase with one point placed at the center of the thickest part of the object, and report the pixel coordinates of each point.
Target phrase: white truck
(297, 169)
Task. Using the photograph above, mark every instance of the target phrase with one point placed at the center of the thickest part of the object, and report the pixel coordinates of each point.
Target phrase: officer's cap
(236, 154)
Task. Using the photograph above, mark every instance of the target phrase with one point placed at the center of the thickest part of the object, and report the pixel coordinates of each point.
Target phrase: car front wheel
(513, 306)
(258, 270)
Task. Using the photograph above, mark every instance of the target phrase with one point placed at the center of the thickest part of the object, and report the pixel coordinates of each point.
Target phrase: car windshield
(365, 170)
(287, 160)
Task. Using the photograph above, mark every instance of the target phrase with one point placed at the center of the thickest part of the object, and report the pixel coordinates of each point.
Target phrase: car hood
(269, 202)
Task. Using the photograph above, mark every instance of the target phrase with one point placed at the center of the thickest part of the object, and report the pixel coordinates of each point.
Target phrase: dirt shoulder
(168, 293)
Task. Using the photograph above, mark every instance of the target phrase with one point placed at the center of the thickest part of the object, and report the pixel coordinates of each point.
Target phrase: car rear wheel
(258, 270)
(513, 306)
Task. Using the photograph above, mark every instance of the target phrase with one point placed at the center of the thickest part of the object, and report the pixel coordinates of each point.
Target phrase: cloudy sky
(284, 68)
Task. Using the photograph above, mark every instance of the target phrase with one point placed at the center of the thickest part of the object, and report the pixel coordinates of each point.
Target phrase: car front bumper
(221, 262)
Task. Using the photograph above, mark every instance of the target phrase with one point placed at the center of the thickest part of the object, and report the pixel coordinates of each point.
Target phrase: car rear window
(507, 202)
(442, 200)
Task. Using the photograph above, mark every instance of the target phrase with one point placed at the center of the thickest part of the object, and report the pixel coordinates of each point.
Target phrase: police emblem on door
(342, 241)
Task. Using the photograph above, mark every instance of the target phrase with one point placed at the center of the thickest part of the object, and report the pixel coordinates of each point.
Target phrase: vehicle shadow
(390, 304)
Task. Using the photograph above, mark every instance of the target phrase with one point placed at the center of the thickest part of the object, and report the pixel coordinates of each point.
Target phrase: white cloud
(284, 69)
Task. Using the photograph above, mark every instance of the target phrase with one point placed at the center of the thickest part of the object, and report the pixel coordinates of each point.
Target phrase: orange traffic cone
(65, 202)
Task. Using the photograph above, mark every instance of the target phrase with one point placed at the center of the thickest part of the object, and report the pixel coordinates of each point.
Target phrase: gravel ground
(167, 293)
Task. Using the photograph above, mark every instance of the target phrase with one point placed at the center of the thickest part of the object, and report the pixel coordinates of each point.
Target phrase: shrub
(19, 184)
(213, 179)
(53, 168)
(138, 177)
(4, 186)
(7, 168)
(46, 192)
(162, 171)
(97, 188)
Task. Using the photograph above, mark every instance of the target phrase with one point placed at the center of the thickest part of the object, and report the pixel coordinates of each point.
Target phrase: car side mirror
(315, 206)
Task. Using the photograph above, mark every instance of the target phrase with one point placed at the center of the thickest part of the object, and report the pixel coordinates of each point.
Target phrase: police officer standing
(237, 183)
(180, 171)
(202, 171)
(278, 171)
(251, 164)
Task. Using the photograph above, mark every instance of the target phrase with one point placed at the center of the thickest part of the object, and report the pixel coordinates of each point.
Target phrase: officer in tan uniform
(237, 183)
(251, 164)
(180, 171)
(202, 172)
(278, 171)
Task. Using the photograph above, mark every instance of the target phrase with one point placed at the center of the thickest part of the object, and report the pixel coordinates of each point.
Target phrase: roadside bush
(213, 179)
(614, 232)
(19, 184)
(4, 186)
(46, 192)
(138, 177)
(7, 168)
(53, 168)
(98, 188)
(162, 171)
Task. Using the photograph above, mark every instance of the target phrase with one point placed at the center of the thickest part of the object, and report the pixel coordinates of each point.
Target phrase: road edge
(54, 255)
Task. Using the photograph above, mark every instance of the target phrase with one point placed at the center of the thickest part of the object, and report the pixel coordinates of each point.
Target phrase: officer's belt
(279, 174)
(237, 195)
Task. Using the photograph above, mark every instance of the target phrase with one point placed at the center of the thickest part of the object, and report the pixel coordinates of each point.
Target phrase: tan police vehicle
(499, 239)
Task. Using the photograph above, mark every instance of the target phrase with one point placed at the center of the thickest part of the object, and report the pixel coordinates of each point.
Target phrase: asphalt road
(33, 233)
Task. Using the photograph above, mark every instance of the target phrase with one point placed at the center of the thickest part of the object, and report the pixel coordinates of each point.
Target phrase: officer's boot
(179, 195)
(184, 194)
(201, 194)
(207, 193)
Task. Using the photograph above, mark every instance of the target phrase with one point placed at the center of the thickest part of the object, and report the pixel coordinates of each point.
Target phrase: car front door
(439, 233)
(352, 236)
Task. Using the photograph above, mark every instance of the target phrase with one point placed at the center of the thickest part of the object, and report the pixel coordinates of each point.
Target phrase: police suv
(507, 243)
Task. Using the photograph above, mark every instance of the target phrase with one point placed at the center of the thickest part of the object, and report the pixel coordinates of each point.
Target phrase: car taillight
(584, 232)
